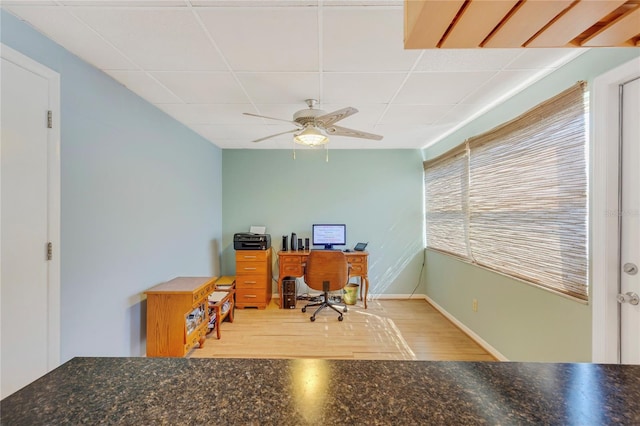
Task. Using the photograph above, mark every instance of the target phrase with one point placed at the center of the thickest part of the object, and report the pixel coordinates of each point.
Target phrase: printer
(250, 241)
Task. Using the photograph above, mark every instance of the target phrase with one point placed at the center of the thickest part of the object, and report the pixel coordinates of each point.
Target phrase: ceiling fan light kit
(310, 136)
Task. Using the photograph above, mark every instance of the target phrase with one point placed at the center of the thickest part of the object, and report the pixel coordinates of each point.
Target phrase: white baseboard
(395, 296)
(479, 340)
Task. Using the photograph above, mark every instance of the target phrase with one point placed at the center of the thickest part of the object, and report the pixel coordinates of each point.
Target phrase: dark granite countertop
(181, 391)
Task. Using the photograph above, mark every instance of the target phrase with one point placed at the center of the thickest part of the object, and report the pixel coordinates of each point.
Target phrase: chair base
(326, 303)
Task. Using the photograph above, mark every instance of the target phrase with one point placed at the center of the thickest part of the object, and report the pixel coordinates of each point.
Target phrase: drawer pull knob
(250, 257)
(250, 296)
(250, 269)
(250, 282)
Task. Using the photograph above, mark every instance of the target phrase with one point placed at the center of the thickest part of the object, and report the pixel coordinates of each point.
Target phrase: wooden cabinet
(177, 315)
(253, 278)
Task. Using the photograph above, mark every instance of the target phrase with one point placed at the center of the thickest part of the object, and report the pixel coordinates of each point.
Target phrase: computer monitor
(329, 235)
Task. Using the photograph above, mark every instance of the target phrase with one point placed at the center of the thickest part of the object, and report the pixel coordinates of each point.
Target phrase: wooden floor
(386, 330)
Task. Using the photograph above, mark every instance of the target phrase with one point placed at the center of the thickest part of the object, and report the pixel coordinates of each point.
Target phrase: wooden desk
(291, 264)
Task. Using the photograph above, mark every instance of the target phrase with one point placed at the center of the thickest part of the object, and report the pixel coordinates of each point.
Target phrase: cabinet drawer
(251, 255)
(243, 268)
(203, 292)
(248, 296)
(356, 259)
(246, 282)
(293, 270)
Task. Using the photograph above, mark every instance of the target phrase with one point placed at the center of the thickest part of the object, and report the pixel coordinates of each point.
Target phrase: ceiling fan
(314, 125)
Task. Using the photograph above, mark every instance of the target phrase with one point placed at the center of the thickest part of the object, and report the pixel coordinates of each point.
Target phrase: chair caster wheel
(304, 310)
(345, 309)
(312, 319)
(340, 318)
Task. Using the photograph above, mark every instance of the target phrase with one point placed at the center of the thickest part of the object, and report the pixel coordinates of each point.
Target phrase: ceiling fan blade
(272, 118)
(343, 131)
(277, 134)
(335, 116)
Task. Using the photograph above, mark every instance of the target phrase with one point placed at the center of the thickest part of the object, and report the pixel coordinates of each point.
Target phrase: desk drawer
(357, 269)
(251, 255)
(292, 270)
(295, 260)
(243, 268)
(249, 296)
(246, 282)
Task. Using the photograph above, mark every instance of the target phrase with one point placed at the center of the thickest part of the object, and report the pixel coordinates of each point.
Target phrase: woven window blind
(526, 197)
(446, 179)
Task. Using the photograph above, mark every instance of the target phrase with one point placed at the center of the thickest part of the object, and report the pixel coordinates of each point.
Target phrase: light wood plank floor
(386, 330)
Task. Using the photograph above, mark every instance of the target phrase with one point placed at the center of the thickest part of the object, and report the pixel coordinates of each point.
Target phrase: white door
(29, 283)
(630, 224)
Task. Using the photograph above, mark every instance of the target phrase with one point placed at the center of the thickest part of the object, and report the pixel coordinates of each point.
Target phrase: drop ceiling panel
(500, 83)
(65, 29)
(145, 86)
(364, 39)
(265, 39)
(459, 113)
(203, 87)
(455, 60)
(208, 113)
(415, 114)
(542, 58)
(441, 88)
(282, 88)
(360, 87)
(240, 131)
(158, 39)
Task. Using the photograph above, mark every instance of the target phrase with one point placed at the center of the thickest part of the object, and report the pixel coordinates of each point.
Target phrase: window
(524, 203)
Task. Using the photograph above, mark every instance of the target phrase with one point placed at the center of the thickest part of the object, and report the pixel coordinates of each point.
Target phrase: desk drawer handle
(250, 296)
(250, 269)
(250, 282)
(250, 257)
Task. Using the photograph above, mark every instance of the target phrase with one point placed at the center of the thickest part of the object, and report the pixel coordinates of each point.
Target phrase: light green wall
(522, 322)
(376, 193)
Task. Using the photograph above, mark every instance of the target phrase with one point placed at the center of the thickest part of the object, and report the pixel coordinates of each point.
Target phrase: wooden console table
(291, 264)
(177, 315)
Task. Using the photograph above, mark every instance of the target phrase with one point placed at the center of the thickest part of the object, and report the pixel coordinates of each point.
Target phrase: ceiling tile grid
(206, 62)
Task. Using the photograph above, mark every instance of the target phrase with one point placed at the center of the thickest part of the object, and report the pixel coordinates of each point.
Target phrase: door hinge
(49, 120)
(49, 250)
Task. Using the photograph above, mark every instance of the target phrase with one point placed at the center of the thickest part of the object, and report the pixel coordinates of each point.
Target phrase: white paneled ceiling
(205, 62)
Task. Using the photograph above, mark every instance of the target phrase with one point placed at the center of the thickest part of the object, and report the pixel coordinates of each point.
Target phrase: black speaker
(306, 244)
(289, 293)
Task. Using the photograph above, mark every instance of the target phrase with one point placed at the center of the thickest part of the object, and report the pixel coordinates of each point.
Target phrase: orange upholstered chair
(326, 270)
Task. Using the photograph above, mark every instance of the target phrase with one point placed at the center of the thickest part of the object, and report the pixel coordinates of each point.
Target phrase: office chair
(326, 270)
